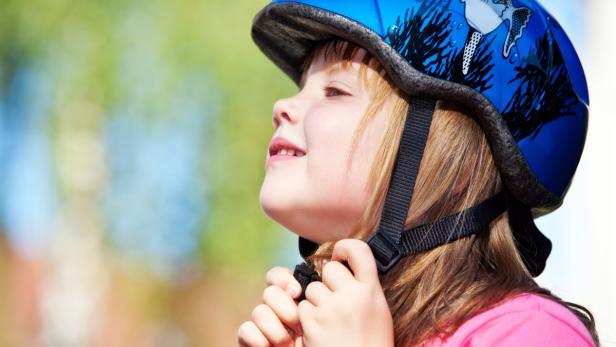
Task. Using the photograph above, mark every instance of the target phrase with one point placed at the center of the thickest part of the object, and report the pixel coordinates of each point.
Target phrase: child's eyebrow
(336, 68)
(329, 71)
(343, 67)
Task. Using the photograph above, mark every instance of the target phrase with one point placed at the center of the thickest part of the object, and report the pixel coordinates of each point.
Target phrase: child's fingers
(299, 341)
(268, 323)
(307, 315)
(358, 255)
(284, 306)
(334, 275)
(317, 292)
(283, 277)
(248, 335)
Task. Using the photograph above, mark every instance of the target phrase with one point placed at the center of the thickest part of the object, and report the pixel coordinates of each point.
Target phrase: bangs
(344, 53)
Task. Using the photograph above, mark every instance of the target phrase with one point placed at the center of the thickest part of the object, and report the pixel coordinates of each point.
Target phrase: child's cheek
(331, 128)
(329, 139)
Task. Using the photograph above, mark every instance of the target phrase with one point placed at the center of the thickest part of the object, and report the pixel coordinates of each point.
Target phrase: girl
(415, 216)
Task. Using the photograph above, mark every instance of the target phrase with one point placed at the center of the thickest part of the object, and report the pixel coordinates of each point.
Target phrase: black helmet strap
(385, 242)
(532, 245)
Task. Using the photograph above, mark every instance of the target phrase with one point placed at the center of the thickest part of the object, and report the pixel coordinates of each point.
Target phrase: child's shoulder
(523, 320)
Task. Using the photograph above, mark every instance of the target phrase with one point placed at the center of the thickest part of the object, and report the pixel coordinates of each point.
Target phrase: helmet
(507, 61)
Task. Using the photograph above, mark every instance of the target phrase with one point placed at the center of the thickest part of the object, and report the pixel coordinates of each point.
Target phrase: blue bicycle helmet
(507, 61)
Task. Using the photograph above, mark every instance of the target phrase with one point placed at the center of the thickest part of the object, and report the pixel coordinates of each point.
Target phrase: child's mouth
(288, 153)
(281, 149)
(284, 155)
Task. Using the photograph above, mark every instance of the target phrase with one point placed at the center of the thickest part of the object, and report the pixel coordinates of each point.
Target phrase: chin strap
(414, 240)
(390, 242)
(385, 242)
(431, 235)
(532, 245)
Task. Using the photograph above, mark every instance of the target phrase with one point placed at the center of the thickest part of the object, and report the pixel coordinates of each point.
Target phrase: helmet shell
(508, 61)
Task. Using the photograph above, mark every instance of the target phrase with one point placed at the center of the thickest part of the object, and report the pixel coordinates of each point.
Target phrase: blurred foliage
(85, 43)
(103, 60)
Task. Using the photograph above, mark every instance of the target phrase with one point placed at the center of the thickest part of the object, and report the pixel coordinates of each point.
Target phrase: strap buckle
(386, 252)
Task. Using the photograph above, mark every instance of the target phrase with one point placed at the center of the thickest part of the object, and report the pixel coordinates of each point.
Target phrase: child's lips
(281, 149)
(282, 146)
(281, 158)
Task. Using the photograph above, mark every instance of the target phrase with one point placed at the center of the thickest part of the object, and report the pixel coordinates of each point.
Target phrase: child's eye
(331, 92)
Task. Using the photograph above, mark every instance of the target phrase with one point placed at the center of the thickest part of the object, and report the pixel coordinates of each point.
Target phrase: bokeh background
(132, 145)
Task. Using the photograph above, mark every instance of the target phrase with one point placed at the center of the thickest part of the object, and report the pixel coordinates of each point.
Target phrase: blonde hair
(432, 293)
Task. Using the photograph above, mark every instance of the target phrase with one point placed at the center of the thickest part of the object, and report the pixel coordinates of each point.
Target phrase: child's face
(320, 192)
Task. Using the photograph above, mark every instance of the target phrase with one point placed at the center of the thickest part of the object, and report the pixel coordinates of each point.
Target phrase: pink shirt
(525, 320)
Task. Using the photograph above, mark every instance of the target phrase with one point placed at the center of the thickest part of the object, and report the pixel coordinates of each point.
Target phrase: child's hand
(275, 322)
(347, 309)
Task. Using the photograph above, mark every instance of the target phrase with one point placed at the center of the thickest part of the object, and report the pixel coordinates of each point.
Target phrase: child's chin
(274, 207)
(272, 203)
(307, 234)
(283, 215)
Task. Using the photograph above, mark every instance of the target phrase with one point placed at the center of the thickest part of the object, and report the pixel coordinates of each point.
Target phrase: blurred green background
(133, 138)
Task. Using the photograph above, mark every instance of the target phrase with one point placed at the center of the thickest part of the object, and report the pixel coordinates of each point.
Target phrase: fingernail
(292, 289)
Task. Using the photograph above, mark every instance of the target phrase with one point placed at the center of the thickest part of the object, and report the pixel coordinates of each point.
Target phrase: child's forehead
(338, 62)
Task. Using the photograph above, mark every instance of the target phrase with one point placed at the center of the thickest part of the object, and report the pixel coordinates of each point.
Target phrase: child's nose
(285, 110)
